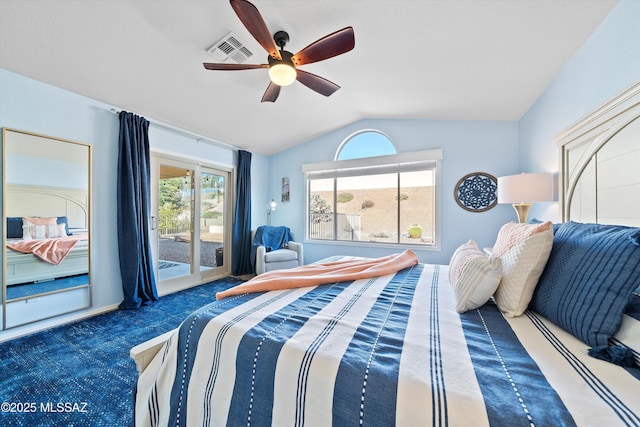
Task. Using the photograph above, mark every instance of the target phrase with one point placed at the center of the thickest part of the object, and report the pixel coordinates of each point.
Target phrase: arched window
(372, 195)
(365, 143)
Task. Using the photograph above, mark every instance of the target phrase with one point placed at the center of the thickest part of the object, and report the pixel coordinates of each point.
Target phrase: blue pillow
(65, 221)
(589, 279)
(14, 227)
(633, 309)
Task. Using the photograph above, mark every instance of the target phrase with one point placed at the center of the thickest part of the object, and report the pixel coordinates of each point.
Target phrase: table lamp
(524, 189)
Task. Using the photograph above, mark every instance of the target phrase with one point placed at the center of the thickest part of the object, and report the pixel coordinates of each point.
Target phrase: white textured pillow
(38, 227)
(522, 266)
(42, 231)
(26, 231)
(52, 230)
(513, 233)
(473, 276)
(39, 231)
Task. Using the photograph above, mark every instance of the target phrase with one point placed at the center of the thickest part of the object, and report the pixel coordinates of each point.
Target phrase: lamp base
(522, 210)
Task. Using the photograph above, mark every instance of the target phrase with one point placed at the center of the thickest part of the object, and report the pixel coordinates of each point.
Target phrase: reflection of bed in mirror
(69, 207)
(46, 180)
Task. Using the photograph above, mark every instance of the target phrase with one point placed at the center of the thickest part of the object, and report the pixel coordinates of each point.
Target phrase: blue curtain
(241, 260)
(134, 212)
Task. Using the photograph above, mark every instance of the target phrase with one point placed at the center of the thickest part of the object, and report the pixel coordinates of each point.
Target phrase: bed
(69, 208)
(545, 331)
(23, 267)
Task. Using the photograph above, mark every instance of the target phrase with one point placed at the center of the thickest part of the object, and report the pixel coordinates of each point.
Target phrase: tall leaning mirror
(46, 217)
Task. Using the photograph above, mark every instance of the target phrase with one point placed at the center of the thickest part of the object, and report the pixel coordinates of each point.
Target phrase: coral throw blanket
(318, 274)
(52, 251)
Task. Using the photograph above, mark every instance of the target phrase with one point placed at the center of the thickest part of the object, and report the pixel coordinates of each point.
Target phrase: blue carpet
(26, 289)
(80, 374)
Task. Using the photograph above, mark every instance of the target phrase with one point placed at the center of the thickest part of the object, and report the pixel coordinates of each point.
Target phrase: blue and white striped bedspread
(379, 352)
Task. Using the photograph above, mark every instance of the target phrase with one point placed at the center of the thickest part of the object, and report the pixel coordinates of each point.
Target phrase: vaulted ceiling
(414, 59)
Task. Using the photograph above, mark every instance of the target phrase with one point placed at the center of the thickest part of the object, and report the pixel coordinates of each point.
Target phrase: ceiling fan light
(282, 74)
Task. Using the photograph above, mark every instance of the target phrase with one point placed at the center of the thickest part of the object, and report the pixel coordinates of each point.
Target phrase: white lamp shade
(525, 188)
(282, 74)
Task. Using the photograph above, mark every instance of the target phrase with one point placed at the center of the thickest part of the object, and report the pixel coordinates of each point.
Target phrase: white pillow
(513, 233)
(473, 276)
(52, 230)
(39, 231)
(38, 227)
(26, 231)
(522, 266)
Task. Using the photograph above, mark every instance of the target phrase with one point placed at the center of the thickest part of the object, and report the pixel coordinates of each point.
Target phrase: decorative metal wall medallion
(476, 192)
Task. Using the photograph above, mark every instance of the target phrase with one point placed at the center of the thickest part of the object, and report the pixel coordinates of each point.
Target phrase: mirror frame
(55, 294)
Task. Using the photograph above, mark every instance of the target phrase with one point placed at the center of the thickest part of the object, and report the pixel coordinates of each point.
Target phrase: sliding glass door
(191, 218)
(212, 218)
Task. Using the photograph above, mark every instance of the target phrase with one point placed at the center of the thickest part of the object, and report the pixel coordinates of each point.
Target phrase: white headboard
(600, 164)
(27, 200)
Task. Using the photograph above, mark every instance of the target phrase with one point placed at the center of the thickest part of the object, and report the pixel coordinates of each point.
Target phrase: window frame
(403, 162)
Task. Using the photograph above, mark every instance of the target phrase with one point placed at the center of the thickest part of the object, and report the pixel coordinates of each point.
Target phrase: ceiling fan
(282, 64)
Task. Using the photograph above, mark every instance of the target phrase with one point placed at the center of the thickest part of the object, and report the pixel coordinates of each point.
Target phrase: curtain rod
(183, 132)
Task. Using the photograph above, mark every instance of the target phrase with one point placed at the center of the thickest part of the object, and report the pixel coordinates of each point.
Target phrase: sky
(366, 144)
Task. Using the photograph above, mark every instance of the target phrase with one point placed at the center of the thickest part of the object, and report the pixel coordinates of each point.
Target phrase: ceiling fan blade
(252, 20)
(216, 66)
(329, 46)
(317, 83)
(271, 94)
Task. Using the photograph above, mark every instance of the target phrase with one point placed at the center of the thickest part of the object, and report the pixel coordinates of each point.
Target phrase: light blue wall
(33, 106)
(607, 64)
(469, 146)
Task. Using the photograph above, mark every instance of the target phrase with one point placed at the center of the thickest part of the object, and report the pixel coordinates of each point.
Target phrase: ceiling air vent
(229, 49)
